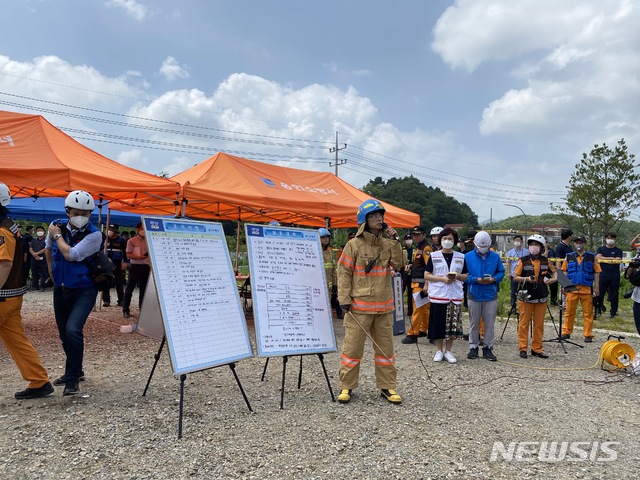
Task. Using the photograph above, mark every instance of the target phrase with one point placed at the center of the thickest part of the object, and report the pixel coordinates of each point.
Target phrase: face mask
(579, 247)
(610, 242)
(534, 250)
(447, 244)
(40, 233)
(79, 221)
(517, 244)
(408, 243)
(482, 250)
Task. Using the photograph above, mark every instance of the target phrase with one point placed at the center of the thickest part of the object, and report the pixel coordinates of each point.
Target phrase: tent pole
(238, 244)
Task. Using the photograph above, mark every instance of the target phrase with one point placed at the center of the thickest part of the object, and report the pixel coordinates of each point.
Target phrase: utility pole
(336, 150)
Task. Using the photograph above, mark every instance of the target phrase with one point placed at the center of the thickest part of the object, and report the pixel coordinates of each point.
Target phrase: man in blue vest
(582, 270)
(68, 244)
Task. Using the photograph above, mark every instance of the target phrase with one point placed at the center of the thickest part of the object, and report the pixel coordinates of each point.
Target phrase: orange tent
(226, 187)
(38, 160)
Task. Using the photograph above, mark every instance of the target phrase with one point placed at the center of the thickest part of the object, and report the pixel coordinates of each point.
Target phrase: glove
(345, 308)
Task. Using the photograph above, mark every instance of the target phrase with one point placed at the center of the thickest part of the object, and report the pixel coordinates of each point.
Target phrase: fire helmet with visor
(367, 208)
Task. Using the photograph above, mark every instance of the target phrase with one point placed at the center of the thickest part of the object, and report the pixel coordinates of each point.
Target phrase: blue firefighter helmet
(367, 207)
(324, 232)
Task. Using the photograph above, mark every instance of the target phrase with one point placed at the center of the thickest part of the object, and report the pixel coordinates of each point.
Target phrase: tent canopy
(226, 187)
(38, 160)
(50, 209)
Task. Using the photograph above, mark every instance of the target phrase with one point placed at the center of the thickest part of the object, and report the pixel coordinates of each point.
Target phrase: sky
(492, 101)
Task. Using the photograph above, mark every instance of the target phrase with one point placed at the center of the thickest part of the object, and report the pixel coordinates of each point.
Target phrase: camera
(523, 295)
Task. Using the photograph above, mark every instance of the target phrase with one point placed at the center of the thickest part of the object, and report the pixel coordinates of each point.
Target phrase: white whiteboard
(196, 287)
(290, 299)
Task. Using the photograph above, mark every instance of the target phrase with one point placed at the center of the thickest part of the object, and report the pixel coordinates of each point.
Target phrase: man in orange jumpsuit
(12, 287)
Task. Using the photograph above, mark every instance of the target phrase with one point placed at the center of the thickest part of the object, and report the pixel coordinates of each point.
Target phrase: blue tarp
(48, 209)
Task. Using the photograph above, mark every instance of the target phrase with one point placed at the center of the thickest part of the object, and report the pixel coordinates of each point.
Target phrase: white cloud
(172, 70)
(132, 8)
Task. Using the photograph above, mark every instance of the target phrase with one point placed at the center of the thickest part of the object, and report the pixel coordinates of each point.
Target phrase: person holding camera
(583, 270)
(534, 272)
(67, 245)
(485, 272)
(365, 269)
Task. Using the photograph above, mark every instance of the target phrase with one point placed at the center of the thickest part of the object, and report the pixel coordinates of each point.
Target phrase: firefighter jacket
(441, 292)
(329, 267)
(540, 268)
(368, 292)
(419, 261)
(581, 273)
(11, 248)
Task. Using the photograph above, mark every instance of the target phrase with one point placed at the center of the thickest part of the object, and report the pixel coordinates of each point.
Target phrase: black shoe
(106, 304)
(422, 334)
(71, 388)
(473, 353)
(63, 380)
(410, 339)
(565, 336)
(28, 393)
(539, 354)
(613, 315)
(588, 339)
(523, 354)
(126, 314)
(488, 354)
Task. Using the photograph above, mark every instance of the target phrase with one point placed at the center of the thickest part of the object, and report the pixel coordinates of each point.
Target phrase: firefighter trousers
(380, 327)
(420, 316)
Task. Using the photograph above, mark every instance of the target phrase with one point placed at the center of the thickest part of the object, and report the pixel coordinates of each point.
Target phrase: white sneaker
(439, 356)
(449, 357)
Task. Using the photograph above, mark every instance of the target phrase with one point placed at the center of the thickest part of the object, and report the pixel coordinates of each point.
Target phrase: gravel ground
(446, 427)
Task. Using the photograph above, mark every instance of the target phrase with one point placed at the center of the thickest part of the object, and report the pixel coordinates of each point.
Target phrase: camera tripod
(562, 307)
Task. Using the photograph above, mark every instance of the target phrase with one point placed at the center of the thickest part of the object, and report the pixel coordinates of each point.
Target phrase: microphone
(395, 237)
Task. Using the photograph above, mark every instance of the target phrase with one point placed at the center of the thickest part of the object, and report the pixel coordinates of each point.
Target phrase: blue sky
(493, 101)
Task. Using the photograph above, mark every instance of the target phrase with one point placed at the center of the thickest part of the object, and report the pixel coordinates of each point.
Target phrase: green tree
(602, 190)
(432, 204)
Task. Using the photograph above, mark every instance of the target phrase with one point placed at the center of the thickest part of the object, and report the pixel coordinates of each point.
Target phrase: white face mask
(534, 250)
(79, 221)
(447, 244)
(40, 233)
(579, 247)
(517, 244)
(408, 243)
(482, 249)
(610, 242)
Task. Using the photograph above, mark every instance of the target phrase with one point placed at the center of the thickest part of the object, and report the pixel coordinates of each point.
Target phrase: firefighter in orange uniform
(533, 272)
(365, 293)
(420, 317)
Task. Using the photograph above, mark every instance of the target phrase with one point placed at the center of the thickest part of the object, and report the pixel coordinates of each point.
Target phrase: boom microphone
(385, 226)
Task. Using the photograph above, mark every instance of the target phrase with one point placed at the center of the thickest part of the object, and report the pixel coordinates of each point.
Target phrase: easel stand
(183, 378)
(285, 359)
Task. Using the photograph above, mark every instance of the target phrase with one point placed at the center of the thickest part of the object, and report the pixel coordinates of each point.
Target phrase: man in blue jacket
(485, 272)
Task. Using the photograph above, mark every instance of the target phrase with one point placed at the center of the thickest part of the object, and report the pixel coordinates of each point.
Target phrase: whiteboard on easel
(196, 290)
(291, 305)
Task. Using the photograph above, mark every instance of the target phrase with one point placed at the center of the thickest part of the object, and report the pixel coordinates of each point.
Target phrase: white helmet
(436, 231)
(79, 199)
(482, 239)
(536, 238)
(5, 195)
